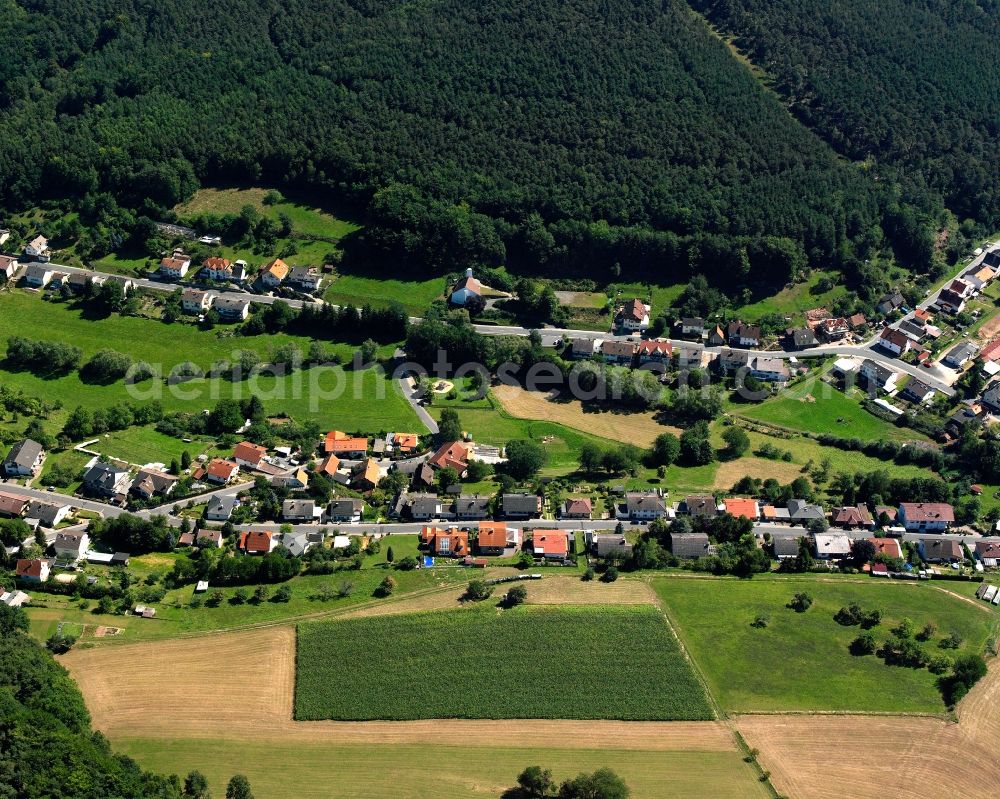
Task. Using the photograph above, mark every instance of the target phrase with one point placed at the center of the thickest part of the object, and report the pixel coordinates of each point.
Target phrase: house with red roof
(344, 446)
(35, 570)
(747, 508)
(221, 471)
(853, 517)
(577, 508)
(550, 544)
(895, 341)
(887, 546)
(453, 455)
(450, 543)
(258, 542)
(249, 455)
(926, 516)
(634, 315)
(655, 350)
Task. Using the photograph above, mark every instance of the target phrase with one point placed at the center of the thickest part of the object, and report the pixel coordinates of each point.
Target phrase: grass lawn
(795, 301)
(817, 407)
(800, 661)
(572, 663)
(442, 769)
(141, 445)
(379, 292)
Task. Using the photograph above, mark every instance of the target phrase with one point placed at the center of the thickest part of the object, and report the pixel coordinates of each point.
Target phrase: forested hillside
(550, 135)
(914, 84)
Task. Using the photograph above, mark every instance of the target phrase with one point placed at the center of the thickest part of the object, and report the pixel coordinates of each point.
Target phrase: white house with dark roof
(25, 459)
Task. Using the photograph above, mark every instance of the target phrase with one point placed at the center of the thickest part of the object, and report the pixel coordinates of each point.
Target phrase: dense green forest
(552, 136)
(912, 84)
(47, 748)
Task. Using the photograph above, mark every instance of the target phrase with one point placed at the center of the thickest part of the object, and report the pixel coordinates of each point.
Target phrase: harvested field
(989, 329)
(633, 428)
(730, 472)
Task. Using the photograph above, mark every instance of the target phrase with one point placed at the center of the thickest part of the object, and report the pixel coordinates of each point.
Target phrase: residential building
(12, 505)
(834, 546)
(38, 249)
(345, 511)
(692, 326)
(258, 542)
(495, 538)
(421, 507)
(25, 459)
(802, 338)
(857, 322)
(887, 546)
(716, 336)
(70, 547)
(801, 511)
(195, 301)
(521, 506)
(634, 316)
(47, 514)
(175, 267)
(645, 505)
(345, 446)
(917, 391)
(771, 370)
(878, 377)
(916, 332)
(939, 550)
(773, 515)
(583, 348)
(890, 302)
(963, 288)
(576, 508)
(991, 398)
(249, 455)
(231, 309)
(215, 268)
(149, 483)
(453, 455)
(701, 506)
(739, 334)
(550, 544)
(785, 546)
(618, 352)
(35, 570)
(950, 302)
(366, 476)
(8, 267)
(988, 552)
(959, 355)
(894, 341)
(404, 444)
(689, 545)
(610, 545)
(107, 480)
(472, 507)
(834, 329)
(926, 516)
(329, 465)
(305, 278)
(38, 276)
(272, 275)
(733, 360)
(747, 508)
(220, 509)
(853, 517)
(656, 350)
(465, 289)
(300, 511)
(450, 543)
(221, 471)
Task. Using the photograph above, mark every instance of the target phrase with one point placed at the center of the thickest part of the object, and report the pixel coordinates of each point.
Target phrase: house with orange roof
(175, 266)
(655, 350)
(345, 446)
(258, 542)
(887, 546)
(215, 268)
(465, 289)
(248, 454)
(495, 537)
(550, 544)
(273, 274)
(576, 508)
(450, 543)
(366, 476)
(404, 443)
(221, 471)
(991, 351)
(747, 508)
(453, 455)
(329, 465)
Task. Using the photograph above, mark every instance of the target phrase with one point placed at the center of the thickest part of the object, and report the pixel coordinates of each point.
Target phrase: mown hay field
(537, 662)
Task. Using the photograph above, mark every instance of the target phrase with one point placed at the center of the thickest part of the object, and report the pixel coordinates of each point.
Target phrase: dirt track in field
(632, 428)
(240, 685)
(871, 757)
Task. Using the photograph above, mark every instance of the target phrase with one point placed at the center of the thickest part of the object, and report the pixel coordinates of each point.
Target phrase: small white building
(195, 301)
(175, 266)
(466, 288)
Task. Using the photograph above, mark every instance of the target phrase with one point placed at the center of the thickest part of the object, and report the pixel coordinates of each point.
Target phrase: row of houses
(271, 275)
(36, 512)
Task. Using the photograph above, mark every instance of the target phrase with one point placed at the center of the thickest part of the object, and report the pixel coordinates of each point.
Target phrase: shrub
(515, 596)
(478, 590)
(760, 621)
(864, 644)
(801, 602)
(610, 575)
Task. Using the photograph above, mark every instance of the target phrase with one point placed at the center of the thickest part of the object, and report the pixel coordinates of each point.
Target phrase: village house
(174, 267)
(38, 249)
(404, 444)
(305, 278)
(8, 267)
(215, 268)
(345, 511)
(950, 301)
(495, 538)
(853, 517)
(195, 301)
(835, 546)
(107, 480)
(453, 455)
(221, 471)
(47, 514)
(328, 465)
(700, 506)
(634, 316)
(939, 550)
(889, 547)
(689, 545)
(465, 289)
(926, 516)
(799, 510)
(656, 350)
(610, 545)
(890, 302)
(34, 570)
(618, 352)
(272, 275)
(747, 508)
(249, 455)
(877, 376)
(298, 544)
(470, 508)
(988, 553)
(692, 326)
(917, 391)
(834, 329)
(716, 336)
(300, 511)
(219, 509)
(12, 505)
(991, 398)
(730, 361)
(916, 332)
(149, 483)
(420, 507)
(584, 348)
(25, 459)
(774, 515)
(450, 543)
(771, 370)
(521, 506)
(785, 546)
(550, 544)
(78, 282)
(344, 446)
(644, 505)
(576, 508)
(801, 338)
(739, 334)
(231, 309)
(959, 355)
(366, 475)
(258, 542)
(894, 341)
(858, 322)
(70, 547)
(38, 276)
